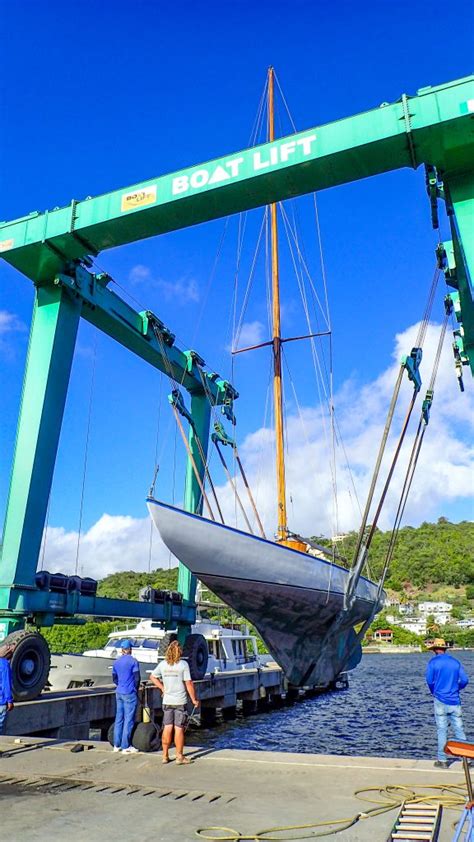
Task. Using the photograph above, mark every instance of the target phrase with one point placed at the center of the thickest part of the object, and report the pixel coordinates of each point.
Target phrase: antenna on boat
(282, 531)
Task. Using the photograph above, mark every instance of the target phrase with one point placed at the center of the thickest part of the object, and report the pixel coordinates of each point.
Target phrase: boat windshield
(145, 642)
(118, 641)
(149, 643)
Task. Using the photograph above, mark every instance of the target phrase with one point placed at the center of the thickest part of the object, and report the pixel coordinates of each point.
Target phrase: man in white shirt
(173, 678)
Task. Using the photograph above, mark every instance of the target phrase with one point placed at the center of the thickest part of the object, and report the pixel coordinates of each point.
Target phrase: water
(387, 711)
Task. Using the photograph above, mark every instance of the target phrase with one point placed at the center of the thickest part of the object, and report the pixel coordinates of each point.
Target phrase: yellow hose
(391, 797)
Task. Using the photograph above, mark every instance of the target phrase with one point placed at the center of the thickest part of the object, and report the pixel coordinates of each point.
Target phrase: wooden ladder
(417, 821)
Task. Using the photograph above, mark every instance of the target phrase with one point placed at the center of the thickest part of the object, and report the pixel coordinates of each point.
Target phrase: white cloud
(184, 290)
(113, 543)
(445, 469)
(444, 473)
(139, 274)
(250, 333)
(9, 324)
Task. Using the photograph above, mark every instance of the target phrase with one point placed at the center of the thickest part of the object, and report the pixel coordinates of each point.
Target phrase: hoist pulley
(412, 364)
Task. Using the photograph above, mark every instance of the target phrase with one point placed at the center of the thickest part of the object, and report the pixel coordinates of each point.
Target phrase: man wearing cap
(126, 675)
(445, 677)
(6, 695)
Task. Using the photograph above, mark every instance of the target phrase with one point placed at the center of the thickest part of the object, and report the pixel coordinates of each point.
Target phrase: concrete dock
(71, 714)
(49, 793)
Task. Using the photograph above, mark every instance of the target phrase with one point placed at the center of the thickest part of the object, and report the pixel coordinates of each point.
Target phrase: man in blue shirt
(126, 675)
(6, 695)
(445, 677)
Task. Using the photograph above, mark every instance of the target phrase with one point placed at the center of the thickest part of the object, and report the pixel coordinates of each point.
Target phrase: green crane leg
(48, 366)
(461, 189)
(201, 414)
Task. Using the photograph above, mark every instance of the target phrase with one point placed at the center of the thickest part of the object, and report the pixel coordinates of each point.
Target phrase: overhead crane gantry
(435, 128)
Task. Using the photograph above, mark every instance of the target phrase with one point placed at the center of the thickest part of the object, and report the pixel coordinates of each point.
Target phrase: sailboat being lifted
(304, 607)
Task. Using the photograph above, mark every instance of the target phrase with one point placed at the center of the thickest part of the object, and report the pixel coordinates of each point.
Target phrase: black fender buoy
(145, 736)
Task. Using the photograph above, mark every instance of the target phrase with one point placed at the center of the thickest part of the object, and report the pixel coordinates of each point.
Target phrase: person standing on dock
(445, 677)
(6, 694)
(173, 678)
(126, 675)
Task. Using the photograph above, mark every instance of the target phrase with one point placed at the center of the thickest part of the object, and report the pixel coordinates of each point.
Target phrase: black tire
(30, 663)
(165, 642)
(146, 737)
(196, 652)
(110, 733)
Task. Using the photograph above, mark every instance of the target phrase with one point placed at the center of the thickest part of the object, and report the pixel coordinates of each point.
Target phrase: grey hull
(292, 598)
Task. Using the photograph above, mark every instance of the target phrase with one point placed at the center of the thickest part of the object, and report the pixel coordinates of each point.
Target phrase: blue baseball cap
(126, 644)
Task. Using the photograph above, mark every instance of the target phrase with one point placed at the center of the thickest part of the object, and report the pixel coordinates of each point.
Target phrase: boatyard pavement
(49, 793)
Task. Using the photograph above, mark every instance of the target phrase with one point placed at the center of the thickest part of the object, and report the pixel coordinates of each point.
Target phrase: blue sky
(100, 96)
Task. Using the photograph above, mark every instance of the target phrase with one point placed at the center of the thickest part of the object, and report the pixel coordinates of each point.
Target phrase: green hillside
(430, 555)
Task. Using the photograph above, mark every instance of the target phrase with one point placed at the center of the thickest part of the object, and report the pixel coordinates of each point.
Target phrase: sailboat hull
(292, 598)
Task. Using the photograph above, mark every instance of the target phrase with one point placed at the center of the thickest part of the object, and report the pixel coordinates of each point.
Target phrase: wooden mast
(282, 531)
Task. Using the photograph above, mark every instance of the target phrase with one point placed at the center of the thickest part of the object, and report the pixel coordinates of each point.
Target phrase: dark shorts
(176, 715)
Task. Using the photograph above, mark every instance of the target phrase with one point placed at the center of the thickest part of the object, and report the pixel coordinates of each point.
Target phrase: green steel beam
(50, 352)
(434, 127)
(193, 502)
(461, 194)
(112, 315)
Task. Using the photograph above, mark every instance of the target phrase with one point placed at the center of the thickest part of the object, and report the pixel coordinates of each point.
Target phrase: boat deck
(49, 793)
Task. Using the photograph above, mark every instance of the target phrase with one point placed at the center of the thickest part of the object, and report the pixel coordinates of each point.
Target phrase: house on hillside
(383, 636)
(441, 611)
(417, 625)
(392, 602)
(426, 608)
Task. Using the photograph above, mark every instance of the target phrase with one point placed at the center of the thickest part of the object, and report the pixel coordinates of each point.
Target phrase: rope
(207, 472)
(177, 386)
(210, 280)
(193, 463)
(419, 343)
(86, 454)
(303, 263)
(383, 443)
(236, 337)
(45, 532)
(249, 492)
(414, 455)
(155, 475)
(391, 797)
(391, 470)
(233, 486)
(319, 376)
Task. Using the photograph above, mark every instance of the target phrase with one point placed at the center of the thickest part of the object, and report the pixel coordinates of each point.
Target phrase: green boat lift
(434, 129)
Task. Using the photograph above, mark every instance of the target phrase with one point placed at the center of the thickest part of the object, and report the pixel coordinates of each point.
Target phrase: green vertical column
(201, 414)
(461, 189)
(48, 366)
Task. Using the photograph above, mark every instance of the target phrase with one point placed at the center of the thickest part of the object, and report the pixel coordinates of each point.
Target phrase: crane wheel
(30, 663)
(196, 652)
(165, 642)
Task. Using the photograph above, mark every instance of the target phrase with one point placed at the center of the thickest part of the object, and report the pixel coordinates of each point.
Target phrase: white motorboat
(230, 649)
